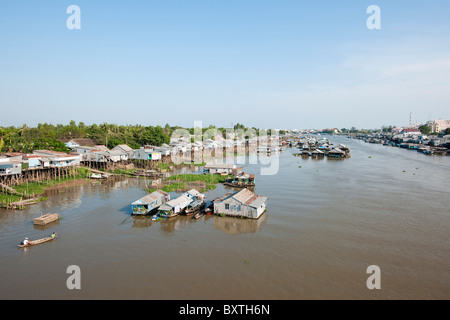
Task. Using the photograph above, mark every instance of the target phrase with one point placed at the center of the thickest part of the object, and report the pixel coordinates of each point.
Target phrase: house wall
(146, 154)
(82, 150)
(141, 154)
(156, 156)
(219, 171)
(10, 168)
(259, 211)
(230, 207)
(232, 210)
(115, 158)
(33, 163)
(164, 151)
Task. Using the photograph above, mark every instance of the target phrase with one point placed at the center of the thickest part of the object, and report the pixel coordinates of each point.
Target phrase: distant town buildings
(438, 126)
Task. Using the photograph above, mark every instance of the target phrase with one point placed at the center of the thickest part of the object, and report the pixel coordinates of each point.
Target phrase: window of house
(227, 206)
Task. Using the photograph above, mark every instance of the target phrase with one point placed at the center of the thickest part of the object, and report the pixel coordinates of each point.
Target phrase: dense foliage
(49, 136)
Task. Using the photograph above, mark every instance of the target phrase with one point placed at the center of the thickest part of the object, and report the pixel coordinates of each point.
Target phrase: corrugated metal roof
(193, 192)
(243, 195)
(260, 200)
(245, 175)
(182, 201)
(124, 147)
(336, 150)
(151, 197)
(84, 142)
(246, 197)
(101, 148)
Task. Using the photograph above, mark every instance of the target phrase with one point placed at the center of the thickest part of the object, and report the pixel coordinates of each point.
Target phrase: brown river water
(326, 222)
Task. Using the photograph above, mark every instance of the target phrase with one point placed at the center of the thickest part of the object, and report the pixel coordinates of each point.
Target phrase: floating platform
(46, 219)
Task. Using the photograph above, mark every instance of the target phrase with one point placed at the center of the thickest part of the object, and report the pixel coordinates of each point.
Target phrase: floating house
(220, 168)
(150, 202)
(344, 148)
(241, 180)
(243, 203)
(177, 206)
(317, 153)
(337, 153)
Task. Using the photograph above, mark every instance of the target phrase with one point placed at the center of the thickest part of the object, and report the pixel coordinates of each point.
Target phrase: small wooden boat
(97, 176)
(199, 214)
(169, 214)
(36, 242)
(195, 207)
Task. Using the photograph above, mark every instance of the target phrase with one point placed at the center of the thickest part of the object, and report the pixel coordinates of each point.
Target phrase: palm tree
(104, 127)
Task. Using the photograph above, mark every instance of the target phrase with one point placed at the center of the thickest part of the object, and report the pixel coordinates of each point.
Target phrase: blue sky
(268, 64)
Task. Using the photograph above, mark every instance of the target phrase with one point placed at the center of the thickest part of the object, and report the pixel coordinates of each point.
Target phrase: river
(326, 222)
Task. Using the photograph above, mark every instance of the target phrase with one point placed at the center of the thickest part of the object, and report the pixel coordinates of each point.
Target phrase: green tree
(425, 129)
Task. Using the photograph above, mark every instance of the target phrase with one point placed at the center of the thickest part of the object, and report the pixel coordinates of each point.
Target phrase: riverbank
(429, 145)
(20, 195)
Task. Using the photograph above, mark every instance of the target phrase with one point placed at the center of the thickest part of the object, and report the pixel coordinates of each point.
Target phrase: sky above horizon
(266, 64)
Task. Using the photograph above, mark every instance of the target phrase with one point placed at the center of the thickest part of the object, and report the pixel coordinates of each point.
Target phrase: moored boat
(195, 207)
(97, 176)
(168, 214)
(199, 214)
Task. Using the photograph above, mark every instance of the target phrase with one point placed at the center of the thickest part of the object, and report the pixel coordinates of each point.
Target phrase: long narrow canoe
(36, 242)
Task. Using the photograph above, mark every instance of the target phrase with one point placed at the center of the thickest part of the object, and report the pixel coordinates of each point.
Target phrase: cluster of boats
(320, 148)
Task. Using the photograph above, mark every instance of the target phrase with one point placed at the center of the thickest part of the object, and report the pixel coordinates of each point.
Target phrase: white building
(243, 203)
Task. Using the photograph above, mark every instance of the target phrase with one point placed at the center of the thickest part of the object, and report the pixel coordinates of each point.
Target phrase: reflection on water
(229, 225)
(233, 225)
(47, 226)
(326, 221)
